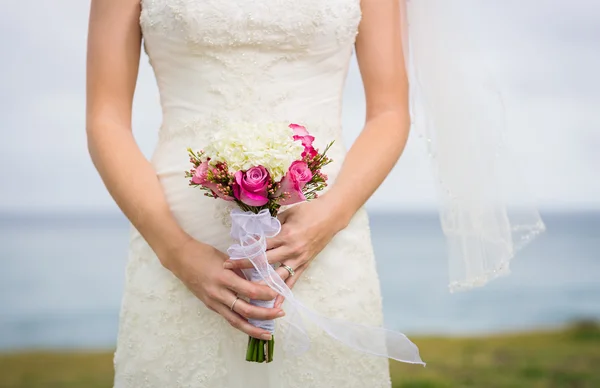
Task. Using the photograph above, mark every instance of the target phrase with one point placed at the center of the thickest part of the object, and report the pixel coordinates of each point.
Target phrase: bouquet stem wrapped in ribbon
(262, 168)
(252, 230)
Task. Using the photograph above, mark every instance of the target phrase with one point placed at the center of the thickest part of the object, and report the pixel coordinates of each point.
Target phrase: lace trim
(292, 25)
(503, 268)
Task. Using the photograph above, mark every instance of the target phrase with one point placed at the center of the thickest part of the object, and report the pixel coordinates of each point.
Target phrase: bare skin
(113, 60)
(114, 46)
(307, 228)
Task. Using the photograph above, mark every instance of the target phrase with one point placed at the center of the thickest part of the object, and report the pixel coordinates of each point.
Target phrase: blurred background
(63, 242)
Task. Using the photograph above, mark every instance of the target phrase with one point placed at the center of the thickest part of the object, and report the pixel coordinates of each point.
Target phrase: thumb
(282, 216)
(285, 215)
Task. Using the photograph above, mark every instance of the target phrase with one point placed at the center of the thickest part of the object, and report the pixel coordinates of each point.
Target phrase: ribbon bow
(251, 230)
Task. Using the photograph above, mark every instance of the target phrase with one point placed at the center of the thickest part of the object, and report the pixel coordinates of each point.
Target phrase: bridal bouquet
(260, 168)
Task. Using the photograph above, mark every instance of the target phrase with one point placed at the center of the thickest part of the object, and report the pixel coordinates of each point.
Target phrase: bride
(184, 313)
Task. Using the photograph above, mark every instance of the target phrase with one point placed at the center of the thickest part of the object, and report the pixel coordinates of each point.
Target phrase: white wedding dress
(220, 61)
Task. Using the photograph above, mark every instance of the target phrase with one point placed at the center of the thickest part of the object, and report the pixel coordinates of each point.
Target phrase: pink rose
(201, 178)
(293, 182)
(252, 186)
(200, 174)
(300, 133)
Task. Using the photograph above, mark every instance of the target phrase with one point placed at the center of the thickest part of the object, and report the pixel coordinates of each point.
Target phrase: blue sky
(545, 54)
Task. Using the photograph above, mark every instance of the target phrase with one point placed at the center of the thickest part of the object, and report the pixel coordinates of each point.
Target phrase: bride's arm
(374, 153)
(307, 228)
(114, 44)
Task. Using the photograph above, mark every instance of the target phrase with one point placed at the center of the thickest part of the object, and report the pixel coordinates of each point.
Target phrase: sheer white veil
(486, 214)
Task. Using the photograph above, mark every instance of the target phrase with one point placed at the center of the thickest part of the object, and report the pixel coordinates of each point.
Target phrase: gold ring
(234, 302)
(289, 269)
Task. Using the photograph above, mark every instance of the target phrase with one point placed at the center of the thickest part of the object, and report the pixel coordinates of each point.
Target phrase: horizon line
(4, 214)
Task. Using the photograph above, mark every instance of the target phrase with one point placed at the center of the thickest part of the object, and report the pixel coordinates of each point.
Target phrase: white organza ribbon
(251, 231)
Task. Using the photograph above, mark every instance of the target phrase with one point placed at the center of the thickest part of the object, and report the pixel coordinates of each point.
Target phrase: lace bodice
(218, 62)
(249, 59)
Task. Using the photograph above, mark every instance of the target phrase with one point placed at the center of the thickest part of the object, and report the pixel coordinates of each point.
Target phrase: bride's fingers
(240, 323)
(291, 281)
(247, 310)
(284, 273)
(245, 288)
(274, 242)
(239, 273)
(273, 256)
(282, 217)
(278, 301)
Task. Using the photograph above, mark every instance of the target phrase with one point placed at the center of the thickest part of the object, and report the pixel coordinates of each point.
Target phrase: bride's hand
(200, 268)
(305, 230)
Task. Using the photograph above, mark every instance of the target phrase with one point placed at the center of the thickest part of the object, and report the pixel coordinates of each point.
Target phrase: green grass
(569, 358)
(56, 370)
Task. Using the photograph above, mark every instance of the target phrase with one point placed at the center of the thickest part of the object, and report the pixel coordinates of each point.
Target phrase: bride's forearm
(380, 57)
(132, 182)
(114, 46)
(368, 162)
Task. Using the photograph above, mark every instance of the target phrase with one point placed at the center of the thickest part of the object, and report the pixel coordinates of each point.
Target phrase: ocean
(61, 279)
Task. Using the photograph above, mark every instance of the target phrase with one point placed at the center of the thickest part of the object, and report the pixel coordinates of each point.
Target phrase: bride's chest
(284, 23)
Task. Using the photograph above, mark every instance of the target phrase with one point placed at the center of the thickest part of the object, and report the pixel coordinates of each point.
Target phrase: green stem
(250, 349)
(261, 351)
(324, 153)
(255, 350)
(271, 348)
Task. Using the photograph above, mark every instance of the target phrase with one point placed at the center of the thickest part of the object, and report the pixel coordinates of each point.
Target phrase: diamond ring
(289, 269)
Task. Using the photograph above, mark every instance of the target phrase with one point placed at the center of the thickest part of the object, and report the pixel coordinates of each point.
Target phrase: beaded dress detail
(218, 62)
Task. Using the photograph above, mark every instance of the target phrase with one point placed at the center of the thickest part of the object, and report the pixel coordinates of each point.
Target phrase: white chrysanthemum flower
(244, 146)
